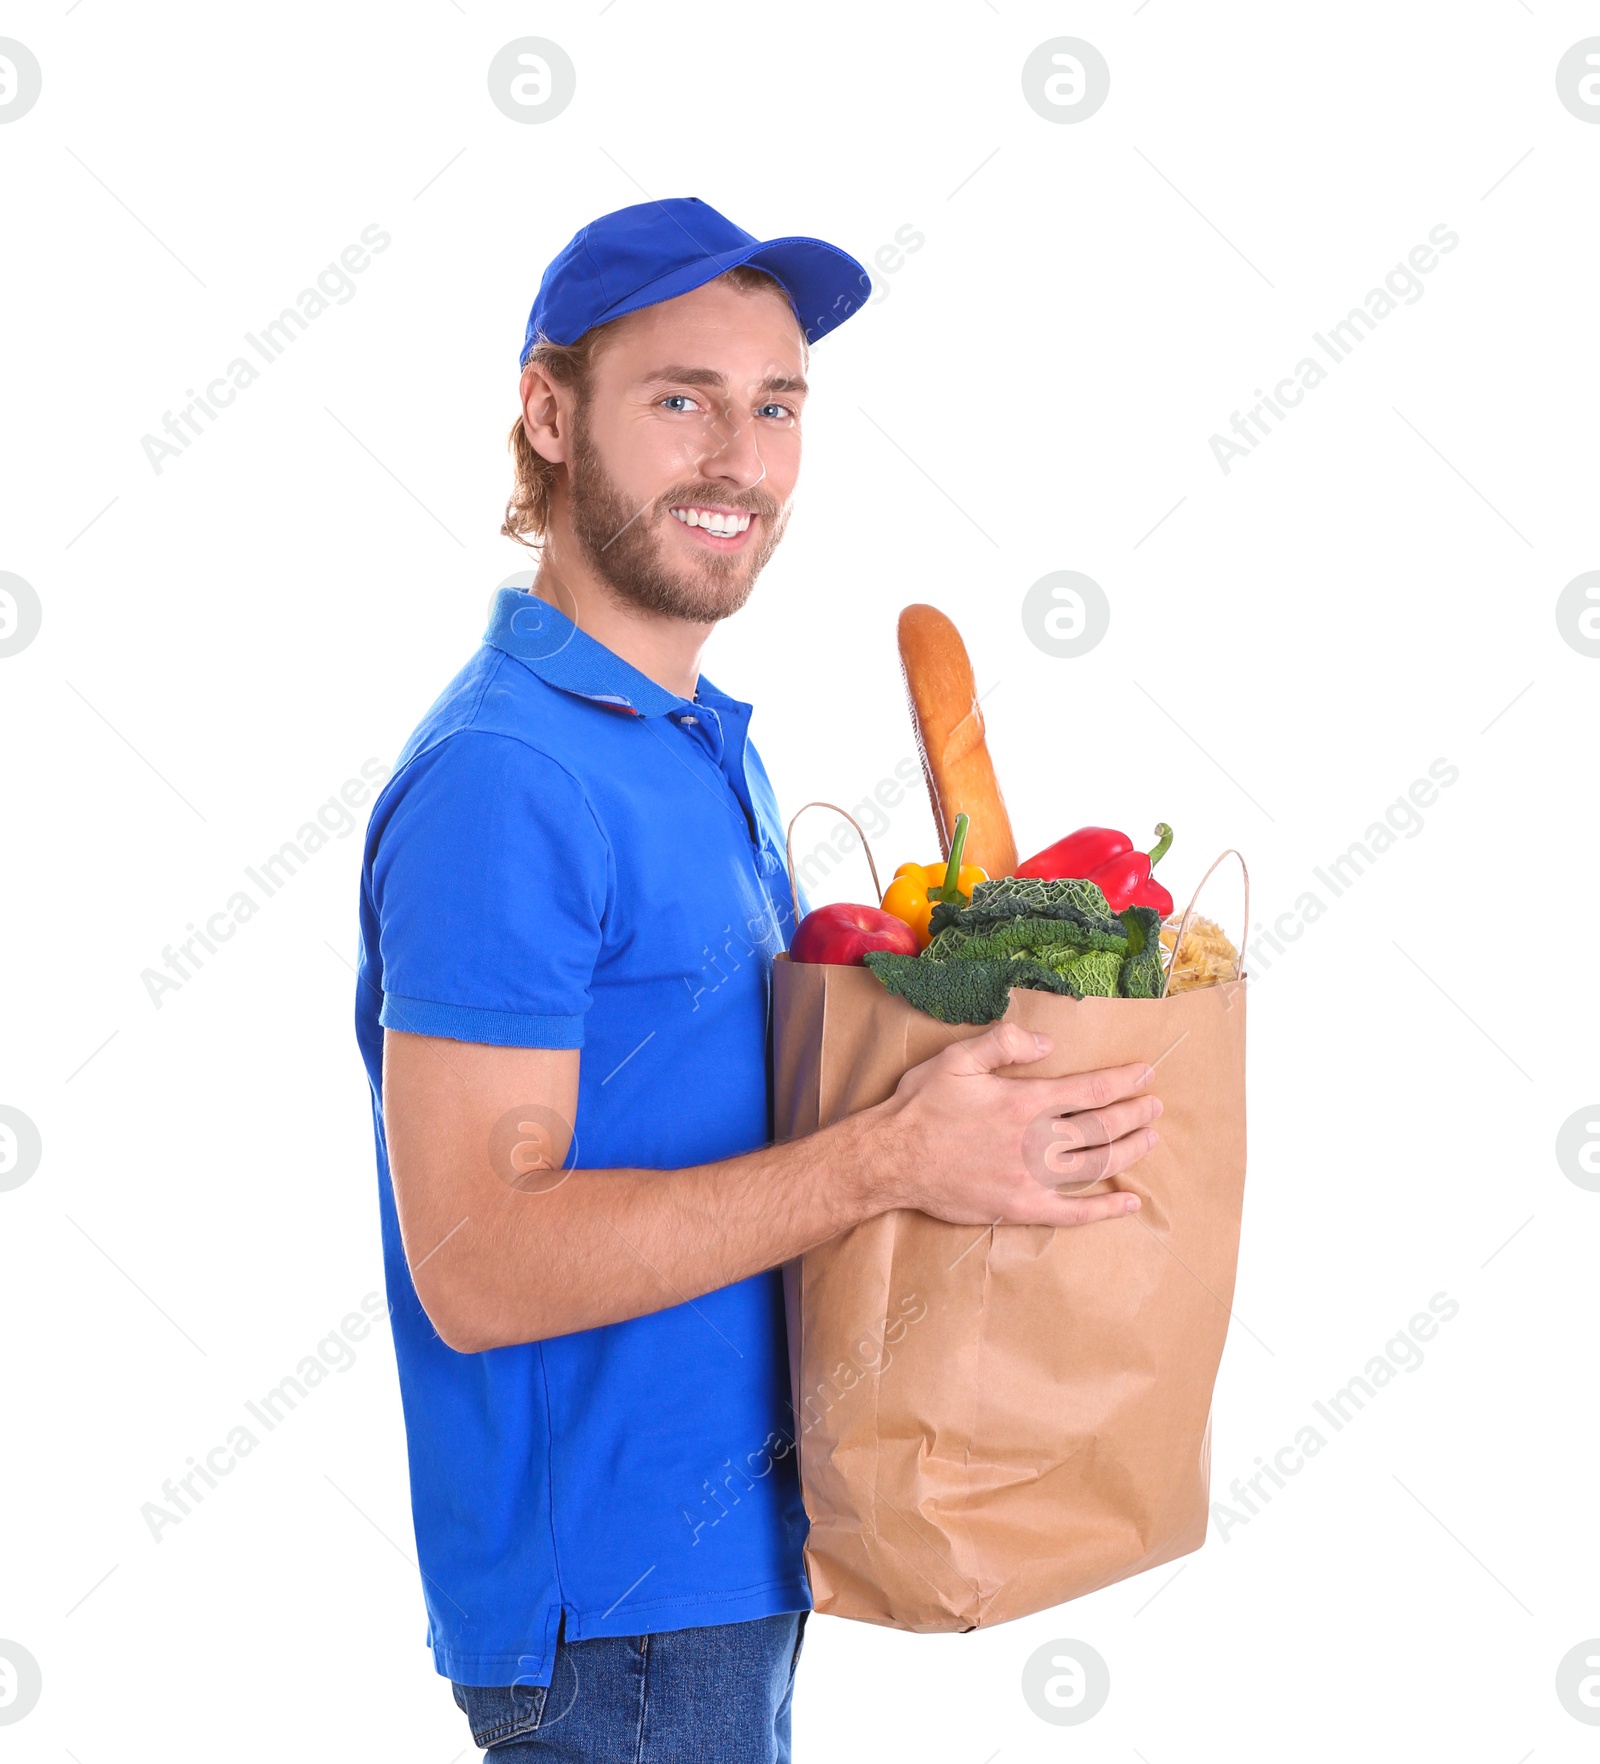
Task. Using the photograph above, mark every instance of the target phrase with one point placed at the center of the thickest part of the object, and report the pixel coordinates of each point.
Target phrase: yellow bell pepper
(918, 888)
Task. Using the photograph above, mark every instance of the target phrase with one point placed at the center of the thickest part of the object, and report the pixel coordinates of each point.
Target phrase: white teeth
(727, 525)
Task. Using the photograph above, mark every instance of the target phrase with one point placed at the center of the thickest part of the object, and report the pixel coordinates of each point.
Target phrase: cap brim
(825, 285)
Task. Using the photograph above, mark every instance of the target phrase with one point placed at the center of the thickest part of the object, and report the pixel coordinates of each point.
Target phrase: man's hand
(974, 1148)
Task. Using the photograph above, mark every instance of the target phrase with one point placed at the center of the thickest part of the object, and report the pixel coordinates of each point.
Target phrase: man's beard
(628, 553)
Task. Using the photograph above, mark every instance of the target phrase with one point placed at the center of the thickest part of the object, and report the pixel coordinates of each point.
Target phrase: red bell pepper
(1107, 859)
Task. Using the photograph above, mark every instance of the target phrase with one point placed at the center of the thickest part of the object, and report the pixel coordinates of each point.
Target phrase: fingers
(1068, 1210)
(1102, 1126)
(1086, 1090)
(1093, 1163)
(1091, 1209)
(1003, 1044)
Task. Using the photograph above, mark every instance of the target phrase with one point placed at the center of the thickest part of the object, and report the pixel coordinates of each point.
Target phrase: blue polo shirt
(569, 855)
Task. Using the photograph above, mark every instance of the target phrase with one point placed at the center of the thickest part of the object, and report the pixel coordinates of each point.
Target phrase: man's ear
(545, 416)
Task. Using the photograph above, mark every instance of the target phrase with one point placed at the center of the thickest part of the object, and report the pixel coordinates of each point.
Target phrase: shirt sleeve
(490, 877)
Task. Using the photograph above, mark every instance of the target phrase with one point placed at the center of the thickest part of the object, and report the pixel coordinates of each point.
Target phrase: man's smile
(715, 526)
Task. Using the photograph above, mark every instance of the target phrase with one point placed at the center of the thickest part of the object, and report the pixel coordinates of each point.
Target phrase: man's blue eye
(775, 410)
(678, 401)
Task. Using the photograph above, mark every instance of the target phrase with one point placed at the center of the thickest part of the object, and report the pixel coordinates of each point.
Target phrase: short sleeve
(489, 879)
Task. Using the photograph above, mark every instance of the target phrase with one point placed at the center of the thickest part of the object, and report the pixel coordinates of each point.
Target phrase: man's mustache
(756, 502)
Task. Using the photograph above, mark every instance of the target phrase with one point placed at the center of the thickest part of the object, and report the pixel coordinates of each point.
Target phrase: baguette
(951, 740)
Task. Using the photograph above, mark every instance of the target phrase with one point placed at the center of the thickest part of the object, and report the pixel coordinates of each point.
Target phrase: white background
(225, 642)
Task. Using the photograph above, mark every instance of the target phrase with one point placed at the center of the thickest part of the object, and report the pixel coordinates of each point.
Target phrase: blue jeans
(719, 1695)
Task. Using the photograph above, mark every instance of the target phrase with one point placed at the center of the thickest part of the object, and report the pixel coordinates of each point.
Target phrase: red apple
(843, 934)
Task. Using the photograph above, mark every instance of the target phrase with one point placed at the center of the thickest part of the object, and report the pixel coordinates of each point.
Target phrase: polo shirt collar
(547, 642)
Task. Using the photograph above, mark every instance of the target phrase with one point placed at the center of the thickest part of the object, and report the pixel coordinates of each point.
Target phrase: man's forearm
(599, 1246)
(502, 1253)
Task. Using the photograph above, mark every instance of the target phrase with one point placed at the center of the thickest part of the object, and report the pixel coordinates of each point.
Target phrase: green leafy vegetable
(962, 991)
(1026, 937)
(1142, 972)
(1095, 973)
(1050, 936)
(1022, 897)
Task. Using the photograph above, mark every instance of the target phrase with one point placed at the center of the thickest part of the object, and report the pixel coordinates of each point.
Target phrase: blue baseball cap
(656, 251)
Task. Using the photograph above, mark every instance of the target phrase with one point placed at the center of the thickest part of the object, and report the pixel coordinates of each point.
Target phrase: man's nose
(732, 450)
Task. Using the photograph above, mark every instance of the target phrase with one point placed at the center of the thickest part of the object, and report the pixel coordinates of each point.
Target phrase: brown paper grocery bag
(993, 1421)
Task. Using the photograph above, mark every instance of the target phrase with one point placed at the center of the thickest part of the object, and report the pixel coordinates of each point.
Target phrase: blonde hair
(570, 365)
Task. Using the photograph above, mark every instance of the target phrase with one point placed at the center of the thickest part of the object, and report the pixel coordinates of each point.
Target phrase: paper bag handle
(788, 846)
(1188, 914)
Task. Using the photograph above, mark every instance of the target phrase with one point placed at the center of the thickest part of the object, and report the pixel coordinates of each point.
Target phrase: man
(572, 896)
